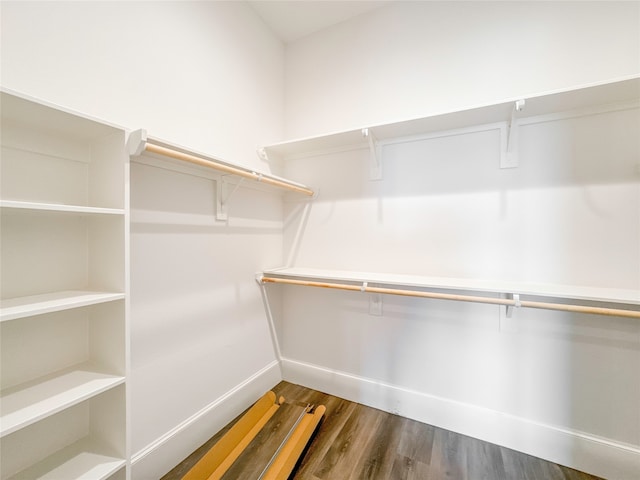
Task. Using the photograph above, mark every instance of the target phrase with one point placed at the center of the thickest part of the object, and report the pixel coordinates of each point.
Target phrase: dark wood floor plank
(484, 461)
(378, 461)
(416, 442)
(337, 414)
(405, 468)
(357, 442)
(350, 444)
(449, 456)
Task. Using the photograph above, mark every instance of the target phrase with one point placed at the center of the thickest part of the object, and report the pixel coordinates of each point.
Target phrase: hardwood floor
(358, 442)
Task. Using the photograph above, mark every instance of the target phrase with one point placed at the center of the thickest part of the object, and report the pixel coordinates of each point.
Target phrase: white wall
(412, 59)
(208, 75)
(560, 386)
(199, 331)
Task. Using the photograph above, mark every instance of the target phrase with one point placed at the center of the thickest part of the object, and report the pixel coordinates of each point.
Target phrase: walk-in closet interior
(423, 209)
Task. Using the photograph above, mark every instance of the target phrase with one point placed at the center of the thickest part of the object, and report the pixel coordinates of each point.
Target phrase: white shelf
(595, 294)
(14, 308)
(79, 461)
(616, 92)
(53, 208)
(26, 404)
(170, 156)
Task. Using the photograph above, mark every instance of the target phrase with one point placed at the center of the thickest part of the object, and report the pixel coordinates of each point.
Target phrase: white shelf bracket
(375, 304)
(262, 154)
(375, 156)
(223, 196)
(517, 304)
(509, 154)
(375, 300)
(137, 142)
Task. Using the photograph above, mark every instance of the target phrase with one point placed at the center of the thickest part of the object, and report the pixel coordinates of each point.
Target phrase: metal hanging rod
(139, 143)
(304, 411)
(515, 302)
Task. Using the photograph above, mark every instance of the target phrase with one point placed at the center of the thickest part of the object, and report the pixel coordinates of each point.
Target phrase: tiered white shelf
(62, 303)
(14, 308)
(615, 94)
(24, 405)
(154, 151)
(619, 94)
(558, 292)
(18, 207)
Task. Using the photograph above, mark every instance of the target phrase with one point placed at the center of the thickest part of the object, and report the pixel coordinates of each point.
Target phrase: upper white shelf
(17, 206)
(608, 295)
(20, 307)
(610, 93)
(175, 157)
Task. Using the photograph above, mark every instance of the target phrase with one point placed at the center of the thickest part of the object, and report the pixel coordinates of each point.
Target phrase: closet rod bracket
(375, 172)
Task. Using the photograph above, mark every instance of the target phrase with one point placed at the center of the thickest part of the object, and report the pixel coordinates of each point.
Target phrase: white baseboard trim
(160, 456)
(588, 453)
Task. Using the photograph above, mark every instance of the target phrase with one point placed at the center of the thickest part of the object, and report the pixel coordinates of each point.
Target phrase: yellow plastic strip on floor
(220, 457)
(286, 460)
(246, 440)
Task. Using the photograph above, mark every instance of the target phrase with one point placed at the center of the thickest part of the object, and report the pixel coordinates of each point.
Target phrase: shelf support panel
(509, 153)
(375, 172)
(223, 195)
(516, 304)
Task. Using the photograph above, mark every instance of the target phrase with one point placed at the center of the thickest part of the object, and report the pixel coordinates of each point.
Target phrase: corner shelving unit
(620, 94)
(63, 300)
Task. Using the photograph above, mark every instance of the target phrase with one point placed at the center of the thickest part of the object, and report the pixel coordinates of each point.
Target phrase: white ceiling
(294, 19)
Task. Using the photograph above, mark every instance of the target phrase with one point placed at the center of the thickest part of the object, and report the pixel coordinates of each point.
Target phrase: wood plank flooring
(358, 442)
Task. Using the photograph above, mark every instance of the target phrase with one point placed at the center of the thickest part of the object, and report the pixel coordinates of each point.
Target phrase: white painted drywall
(412, 59)
(207, 75)
(198, 324)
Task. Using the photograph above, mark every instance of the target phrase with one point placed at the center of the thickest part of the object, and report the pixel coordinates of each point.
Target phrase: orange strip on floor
(286, 459)
(218, 460)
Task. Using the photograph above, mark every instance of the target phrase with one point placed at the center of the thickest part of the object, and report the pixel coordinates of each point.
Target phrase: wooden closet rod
(223, 167)
(461, 298)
